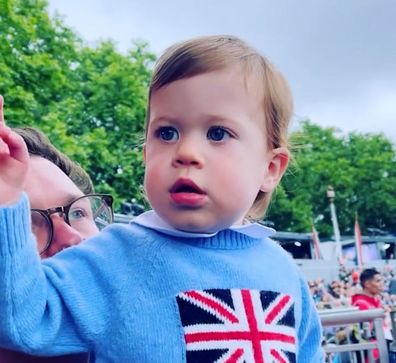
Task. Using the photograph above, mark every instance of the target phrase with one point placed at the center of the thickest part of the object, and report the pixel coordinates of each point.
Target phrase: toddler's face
(206, 156)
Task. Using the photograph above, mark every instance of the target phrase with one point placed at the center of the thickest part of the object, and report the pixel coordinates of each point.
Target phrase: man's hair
(212, 53)
(39, 145)
(367, 275)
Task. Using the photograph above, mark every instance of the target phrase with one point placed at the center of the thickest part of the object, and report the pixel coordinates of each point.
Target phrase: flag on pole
(358, 243)
(316, 244)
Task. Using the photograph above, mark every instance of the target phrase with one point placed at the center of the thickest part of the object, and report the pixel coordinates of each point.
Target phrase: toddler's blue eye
(217, 133)
(167, 133)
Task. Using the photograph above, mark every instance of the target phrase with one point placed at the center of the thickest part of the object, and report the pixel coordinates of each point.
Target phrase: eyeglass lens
(41, 228)
(87, 215)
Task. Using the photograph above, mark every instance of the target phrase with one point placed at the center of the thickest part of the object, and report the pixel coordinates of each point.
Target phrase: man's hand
(14, 162)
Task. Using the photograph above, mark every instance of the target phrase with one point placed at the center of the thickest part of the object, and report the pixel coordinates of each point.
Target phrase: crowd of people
(363, 289)
(339, 293)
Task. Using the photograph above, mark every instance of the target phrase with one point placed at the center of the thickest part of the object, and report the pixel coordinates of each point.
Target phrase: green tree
(89, 101)
(35, 57)
(360, 167)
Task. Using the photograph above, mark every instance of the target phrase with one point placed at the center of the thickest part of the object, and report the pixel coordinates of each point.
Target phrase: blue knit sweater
(134, 294)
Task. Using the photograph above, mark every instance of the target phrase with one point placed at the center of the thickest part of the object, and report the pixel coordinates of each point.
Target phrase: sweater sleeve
(310, 331)
(31, 309)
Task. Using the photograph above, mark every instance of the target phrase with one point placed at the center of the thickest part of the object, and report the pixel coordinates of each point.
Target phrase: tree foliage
(361, 169)
(90, 102)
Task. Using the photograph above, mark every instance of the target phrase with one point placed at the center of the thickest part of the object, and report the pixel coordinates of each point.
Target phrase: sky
(338, 56)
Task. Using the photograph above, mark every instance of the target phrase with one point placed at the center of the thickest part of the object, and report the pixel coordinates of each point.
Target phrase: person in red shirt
(372, 285)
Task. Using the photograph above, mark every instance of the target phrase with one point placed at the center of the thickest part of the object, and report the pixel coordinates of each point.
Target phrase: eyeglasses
(88, 215)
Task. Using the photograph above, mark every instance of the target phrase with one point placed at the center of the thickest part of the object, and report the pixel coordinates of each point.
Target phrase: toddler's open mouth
(186, 193)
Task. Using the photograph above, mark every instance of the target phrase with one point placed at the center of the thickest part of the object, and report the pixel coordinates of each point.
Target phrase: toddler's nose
(188, 154)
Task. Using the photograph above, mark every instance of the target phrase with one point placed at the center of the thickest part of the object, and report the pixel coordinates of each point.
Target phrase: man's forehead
(48, 186)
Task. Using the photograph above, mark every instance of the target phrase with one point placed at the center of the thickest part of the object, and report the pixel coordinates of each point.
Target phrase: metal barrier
(352, 316)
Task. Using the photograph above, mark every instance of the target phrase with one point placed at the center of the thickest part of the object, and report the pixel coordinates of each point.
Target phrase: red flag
(358, 243)
(316, 244)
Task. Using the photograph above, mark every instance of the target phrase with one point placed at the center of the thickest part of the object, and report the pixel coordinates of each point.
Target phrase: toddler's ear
(144, 153)
(275, 169)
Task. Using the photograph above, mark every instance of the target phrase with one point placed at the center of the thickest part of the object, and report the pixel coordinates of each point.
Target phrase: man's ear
(275, 169)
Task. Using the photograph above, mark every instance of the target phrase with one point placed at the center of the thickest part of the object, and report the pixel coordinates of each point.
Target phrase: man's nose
(188, 153)
(64, 235)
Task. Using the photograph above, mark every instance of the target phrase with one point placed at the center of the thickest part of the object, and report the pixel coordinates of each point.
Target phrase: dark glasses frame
(64, 210)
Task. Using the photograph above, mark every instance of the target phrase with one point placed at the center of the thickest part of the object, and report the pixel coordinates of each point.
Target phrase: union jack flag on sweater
(238, 326)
